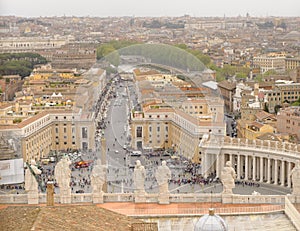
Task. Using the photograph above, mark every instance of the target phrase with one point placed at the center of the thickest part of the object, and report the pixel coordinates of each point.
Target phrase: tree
(266, 108)
(277, 108)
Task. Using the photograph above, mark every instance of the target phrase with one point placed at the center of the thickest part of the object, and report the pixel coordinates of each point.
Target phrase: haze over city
(31, 8)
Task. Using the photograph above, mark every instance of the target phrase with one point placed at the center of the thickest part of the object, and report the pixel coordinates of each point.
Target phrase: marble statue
(295, 173)
(139, 175)
(163, 175)
(98, 177)
(228, 176)
(62, 175)
(31, 184)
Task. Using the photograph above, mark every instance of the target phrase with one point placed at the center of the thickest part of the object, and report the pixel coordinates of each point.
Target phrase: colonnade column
(238, 166)
(253, 168)
(261, 168)
(246, 167)
(269, 171)
(282, 179)
(276, 172)
(288, 174)
(218, 165)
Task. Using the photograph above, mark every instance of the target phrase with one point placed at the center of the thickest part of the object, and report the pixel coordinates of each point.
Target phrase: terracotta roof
(256, 124)
(268, 136)
(227, 85)
(69, 217)
(5, 105)
(263, 115)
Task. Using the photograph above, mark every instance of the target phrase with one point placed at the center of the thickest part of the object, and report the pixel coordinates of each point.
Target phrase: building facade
(52, 130)
(288, 121)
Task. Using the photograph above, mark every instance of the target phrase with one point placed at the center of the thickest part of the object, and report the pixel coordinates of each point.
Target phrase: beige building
(282, 92)
(292, 63)
(28, 44)
(269, 62)
(174, 114)
(159, 126)
(52, 130)
(288, 121)
(227, 89)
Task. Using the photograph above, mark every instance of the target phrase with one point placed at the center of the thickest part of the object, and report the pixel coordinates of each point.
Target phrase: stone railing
(284, 148)
(292, 213)
(253, 199)
(153, 198)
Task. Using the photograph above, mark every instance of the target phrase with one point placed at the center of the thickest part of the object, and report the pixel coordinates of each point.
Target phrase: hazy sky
(101, 8)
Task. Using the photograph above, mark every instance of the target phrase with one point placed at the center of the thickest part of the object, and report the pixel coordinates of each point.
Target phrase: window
(139, 132)
(65, 130)
(84, 145)
(158, 129)
(56, 130)
(150, 129)
(84, 132)
(65, 143)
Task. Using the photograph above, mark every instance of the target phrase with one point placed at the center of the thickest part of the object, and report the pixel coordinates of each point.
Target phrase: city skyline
(231, 8)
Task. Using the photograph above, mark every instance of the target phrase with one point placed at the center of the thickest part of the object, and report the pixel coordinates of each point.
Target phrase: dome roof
(211, 222)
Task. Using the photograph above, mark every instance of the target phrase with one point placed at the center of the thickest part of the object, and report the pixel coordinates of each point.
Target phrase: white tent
(12, 171)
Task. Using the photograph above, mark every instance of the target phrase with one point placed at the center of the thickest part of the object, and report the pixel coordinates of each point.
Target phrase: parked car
(82, 164)
(136, 153)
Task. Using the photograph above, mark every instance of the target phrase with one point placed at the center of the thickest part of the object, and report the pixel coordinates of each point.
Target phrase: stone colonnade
(258, 168)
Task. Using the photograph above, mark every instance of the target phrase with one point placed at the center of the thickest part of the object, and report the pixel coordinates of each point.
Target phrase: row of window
(37, 124)
(195, 107)
(157, 116)
(293, 122)
(289, 97)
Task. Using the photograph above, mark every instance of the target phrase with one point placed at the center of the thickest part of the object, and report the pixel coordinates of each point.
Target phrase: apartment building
(288, 121)
(292, 63)
(282, 92)
(75, 55)
(227, 89)
(29, 44)
(269, 62)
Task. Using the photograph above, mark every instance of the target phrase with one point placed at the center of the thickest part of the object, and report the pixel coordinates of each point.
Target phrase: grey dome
(211, 222)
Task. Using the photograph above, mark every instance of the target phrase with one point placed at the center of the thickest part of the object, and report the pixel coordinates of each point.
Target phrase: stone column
(276, 172)
(246, 167)
(230, 158)
(269, 171)
(282, 176)
(253, 168)
(238, 166)
(289, 175)
(50, 193)
(217, 165)
(261, 168)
